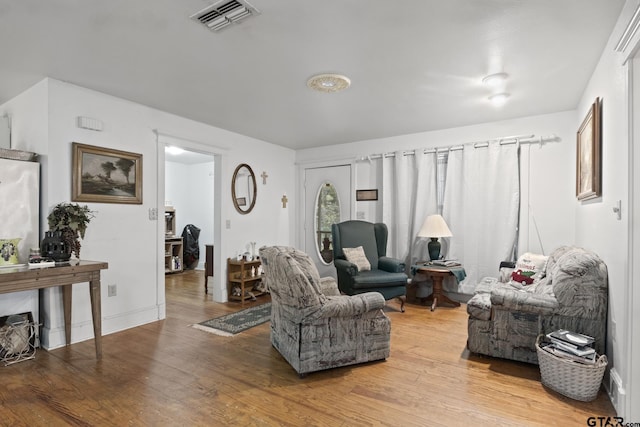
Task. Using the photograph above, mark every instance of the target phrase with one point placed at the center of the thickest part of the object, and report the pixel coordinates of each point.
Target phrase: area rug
(234, 323)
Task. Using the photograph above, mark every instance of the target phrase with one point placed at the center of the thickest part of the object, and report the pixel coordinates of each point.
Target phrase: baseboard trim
(616, 391)
(52, 338)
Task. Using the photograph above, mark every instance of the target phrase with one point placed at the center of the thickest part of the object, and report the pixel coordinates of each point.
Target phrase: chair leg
(403, 299)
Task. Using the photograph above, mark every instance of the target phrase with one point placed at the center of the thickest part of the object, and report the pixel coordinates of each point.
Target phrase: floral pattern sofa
(568, 292)
(312, 325)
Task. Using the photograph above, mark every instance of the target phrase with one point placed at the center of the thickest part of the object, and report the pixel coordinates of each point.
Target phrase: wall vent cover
(224, 13)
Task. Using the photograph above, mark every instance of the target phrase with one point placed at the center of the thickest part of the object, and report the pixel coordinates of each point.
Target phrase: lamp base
(434, 248)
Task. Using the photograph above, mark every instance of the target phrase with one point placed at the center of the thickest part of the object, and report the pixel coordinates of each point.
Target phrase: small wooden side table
(437, 274)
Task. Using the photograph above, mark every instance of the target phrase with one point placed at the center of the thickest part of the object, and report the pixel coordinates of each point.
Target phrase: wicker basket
(18, 338)
(6, 153)
(572, 379)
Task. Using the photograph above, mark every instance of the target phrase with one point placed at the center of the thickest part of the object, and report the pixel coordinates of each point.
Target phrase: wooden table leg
(438, 294)
(66, 308)
(96, 312)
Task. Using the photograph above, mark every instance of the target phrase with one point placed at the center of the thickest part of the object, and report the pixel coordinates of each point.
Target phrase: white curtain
(426, 203)
(481, 203)
(408, 196)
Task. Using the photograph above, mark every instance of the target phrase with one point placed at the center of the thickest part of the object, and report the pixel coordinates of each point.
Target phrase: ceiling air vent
(221, 14)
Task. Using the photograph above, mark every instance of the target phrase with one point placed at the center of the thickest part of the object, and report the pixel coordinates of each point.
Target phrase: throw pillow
(356, 256)
(9, 251)
(532, 265)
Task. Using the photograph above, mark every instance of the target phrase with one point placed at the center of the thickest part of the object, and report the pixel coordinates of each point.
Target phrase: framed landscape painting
(589, 155)
(104, 175)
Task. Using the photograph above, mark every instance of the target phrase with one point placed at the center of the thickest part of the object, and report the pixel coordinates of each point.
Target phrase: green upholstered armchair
(387, 275)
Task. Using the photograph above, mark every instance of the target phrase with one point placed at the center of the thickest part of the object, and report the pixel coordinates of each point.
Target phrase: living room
(43, 120)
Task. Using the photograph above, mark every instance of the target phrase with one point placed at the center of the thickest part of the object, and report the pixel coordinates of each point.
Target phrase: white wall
(190, 188)
(597, 227)
(547, 184)
(124, 235)
(176, 195)
(200, 207)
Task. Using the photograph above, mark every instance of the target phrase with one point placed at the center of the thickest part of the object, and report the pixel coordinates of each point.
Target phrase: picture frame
(366, 195)
(104, 175)
(589, 155)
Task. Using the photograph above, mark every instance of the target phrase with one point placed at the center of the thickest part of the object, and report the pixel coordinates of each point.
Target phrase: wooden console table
(25, 279)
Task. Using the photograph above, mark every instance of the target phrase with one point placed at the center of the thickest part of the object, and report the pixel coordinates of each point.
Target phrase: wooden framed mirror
(244, 189)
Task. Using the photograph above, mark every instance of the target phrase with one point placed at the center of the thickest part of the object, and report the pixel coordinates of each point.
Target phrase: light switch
(617, 209)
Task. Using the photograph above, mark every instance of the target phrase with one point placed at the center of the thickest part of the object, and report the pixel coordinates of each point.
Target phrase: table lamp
(433, 227)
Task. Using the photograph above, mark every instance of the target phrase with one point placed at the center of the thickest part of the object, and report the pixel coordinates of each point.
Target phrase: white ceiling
(415, 65)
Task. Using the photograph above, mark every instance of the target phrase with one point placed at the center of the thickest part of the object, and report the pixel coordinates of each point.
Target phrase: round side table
(436, 274)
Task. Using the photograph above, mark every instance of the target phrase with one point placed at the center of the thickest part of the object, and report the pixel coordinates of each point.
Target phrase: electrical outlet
(153, 214)
(112, 290)
(228, 224)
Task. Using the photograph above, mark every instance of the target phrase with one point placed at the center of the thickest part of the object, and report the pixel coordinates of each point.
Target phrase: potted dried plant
(67, 223)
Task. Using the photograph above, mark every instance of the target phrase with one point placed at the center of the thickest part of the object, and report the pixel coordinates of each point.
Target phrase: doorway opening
(189, 206)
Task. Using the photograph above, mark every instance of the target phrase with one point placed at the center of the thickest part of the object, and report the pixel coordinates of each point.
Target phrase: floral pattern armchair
(505, 317)
(312, 325)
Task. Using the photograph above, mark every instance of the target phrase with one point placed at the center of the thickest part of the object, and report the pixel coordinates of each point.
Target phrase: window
(327, 213)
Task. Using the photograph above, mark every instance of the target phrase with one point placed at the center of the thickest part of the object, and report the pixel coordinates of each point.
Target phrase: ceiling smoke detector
(329, 83)
(220, 15)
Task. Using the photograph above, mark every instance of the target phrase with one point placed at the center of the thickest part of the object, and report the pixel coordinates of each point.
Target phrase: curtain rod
(507, 140)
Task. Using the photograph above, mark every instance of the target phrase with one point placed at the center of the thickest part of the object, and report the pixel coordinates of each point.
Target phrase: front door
(327, 201)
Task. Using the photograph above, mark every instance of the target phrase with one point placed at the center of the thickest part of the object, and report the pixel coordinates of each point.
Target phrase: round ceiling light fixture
(171, 149)
(499, 99)
(329, 83)
(494, 80)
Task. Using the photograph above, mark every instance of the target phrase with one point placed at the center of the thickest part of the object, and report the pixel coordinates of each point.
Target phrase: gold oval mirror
(244, 188)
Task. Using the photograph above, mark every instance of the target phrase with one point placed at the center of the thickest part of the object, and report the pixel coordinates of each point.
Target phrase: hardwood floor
(167, 373)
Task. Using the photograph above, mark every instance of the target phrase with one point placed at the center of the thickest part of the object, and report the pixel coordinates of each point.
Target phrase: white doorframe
(629, 47)
(218, 287)
(633, 294)
(300, 214)
(341, 177)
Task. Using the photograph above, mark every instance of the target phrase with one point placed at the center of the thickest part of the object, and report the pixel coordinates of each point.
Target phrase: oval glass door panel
(327, 213)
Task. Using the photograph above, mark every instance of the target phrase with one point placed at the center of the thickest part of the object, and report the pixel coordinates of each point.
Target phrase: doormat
(234, 323)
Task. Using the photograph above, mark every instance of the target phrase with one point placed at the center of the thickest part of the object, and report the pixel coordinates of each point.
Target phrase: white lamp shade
(434, 226)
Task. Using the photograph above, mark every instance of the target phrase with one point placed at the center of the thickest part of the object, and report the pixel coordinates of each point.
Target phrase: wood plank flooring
(169, 374)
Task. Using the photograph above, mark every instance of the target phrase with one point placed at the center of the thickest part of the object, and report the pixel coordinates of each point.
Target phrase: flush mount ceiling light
(499, 99)
(173, 150)
(329, 83)
(495, 79)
